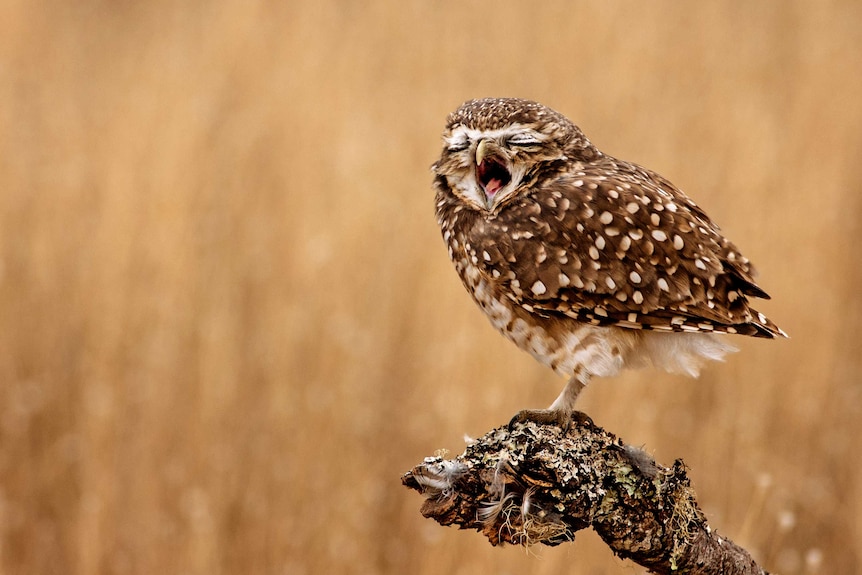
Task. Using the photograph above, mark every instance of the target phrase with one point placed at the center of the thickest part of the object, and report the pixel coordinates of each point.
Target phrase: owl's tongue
(492, 175)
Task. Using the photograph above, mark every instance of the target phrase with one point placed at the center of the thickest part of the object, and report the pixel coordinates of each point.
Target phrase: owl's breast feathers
(608, 244)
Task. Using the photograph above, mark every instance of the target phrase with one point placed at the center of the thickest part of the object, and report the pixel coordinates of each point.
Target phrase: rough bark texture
(540, 484)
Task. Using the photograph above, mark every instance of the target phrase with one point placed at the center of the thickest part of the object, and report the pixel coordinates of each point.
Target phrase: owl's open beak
(491, 171)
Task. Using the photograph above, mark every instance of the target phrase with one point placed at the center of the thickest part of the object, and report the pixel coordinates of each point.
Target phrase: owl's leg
(563, 409)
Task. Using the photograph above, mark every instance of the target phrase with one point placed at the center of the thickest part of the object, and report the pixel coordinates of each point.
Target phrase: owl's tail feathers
(760, 326)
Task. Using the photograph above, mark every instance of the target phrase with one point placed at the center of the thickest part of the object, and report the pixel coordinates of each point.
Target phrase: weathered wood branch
(539, 484)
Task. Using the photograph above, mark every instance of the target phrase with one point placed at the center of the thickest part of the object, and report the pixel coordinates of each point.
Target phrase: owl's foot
(559, 417)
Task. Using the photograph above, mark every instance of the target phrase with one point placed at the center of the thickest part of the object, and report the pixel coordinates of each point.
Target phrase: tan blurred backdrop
(228, 322)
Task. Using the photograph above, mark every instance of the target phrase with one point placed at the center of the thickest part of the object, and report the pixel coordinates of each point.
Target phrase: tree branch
(539, 484)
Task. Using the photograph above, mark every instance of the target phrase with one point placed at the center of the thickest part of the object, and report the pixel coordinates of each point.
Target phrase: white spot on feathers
(625, 243)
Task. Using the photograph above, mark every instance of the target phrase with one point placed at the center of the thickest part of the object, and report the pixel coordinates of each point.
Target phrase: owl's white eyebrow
(463, 134)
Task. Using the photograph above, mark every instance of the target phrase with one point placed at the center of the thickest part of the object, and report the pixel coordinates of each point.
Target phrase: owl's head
(497, 148)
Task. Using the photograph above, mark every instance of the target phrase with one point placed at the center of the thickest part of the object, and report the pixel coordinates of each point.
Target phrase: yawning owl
(589, 263)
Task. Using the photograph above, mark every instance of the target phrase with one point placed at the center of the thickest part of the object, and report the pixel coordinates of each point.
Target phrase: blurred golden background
(228, 322)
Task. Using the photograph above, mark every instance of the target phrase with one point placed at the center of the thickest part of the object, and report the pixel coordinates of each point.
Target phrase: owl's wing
(618, 244)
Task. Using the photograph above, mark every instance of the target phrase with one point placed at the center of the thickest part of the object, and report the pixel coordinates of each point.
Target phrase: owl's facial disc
(485, 167)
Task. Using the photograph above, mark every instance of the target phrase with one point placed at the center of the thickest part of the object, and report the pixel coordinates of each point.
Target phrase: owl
(589, 263)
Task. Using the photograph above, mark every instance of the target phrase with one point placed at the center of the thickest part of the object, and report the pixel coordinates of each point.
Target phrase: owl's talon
(560, 418)
(582, 418)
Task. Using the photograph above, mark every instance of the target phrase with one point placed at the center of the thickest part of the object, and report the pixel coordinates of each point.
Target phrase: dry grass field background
(228, 322)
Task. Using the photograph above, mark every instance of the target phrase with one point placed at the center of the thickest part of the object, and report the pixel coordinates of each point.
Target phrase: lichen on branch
(541, 484)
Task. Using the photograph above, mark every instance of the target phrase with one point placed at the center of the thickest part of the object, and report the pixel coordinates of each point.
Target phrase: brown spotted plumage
(589, 263)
